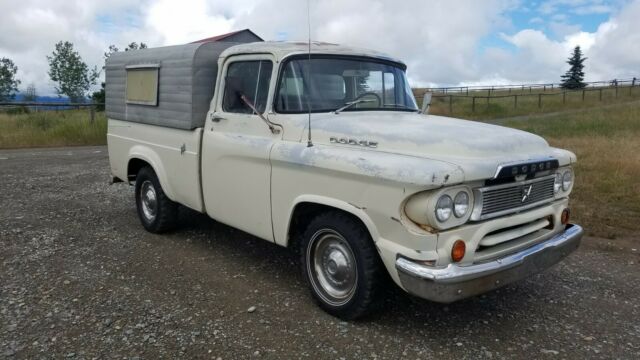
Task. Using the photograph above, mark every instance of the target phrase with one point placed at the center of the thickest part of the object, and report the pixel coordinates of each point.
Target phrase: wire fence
(21, 107)
(530, 88)
(514, 94)
(613, 89)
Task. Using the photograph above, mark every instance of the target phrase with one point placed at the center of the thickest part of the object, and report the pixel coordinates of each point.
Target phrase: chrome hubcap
(148, 200)
(332, 267)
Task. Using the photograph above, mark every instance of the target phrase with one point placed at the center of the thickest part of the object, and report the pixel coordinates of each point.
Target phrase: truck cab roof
(283, 49)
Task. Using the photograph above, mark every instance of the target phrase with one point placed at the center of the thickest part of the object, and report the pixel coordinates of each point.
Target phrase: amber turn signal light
(565, 217)
(458, 250)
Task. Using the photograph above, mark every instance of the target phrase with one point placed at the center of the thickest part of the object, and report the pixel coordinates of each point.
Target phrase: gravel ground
(80, 278)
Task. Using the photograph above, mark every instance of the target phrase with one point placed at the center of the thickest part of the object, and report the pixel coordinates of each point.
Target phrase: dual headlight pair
(458, 206)
(447, 208)
(564, 180)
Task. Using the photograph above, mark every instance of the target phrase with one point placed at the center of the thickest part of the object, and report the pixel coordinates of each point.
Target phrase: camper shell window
(142, 84)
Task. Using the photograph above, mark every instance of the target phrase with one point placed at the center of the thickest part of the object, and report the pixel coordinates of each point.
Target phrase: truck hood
(477, 148)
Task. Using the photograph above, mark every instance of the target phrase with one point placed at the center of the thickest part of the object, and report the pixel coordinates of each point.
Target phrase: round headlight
(567, 178)
(444, 208)
(460, 204)
(557, 184)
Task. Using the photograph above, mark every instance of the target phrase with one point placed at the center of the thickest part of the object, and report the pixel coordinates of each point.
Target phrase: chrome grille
(500, 200)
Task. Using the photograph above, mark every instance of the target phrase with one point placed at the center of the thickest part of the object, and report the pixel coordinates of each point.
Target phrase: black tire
(365, 296)
(164, 211)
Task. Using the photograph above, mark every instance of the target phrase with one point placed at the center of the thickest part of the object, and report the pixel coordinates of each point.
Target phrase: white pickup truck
(325, 151)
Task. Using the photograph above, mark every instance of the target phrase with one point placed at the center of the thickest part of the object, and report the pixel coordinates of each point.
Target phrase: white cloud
(538, 58)
(593, 9)
(442, 42)
(438, 40)
(579, 7)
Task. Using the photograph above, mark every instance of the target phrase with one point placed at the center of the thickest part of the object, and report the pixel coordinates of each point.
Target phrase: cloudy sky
(444, 42)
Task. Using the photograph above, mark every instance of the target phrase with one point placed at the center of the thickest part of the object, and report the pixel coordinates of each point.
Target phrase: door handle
(216, 118)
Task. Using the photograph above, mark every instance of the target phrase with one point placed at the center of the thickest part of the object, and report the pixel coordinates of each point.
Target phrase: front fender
(336, 204)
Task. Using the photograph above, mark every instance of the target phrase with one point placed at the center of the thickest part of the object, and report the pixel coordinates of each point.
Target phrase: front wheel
(341, 265)
(156, 211)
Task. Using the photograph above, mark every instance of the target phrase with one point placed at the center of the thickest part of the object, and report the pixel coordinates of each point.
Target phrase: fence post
(616, 88)
(467, 91)
(92, 113)
(473, 104)
(583, 91)
(529, 89)
(544, 89)
(515, 101)
(450, 104)
(539, 101)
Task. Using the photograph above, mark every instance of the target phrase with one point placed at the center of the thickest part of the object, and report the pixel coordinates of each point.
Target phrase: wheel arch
(306, 207)
(140, 156)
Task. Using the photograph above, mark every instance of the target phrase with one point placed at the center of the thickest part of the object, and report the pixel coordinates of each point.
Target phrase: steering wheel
(378, 98)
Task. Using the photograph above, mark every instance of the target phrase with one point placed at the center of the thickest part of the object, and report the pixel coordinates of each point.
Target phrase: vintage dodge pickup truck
(325, 151)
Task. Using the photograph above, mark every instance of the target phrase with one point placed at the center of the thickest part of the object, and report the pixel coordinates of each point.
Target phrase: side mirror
(426, 103)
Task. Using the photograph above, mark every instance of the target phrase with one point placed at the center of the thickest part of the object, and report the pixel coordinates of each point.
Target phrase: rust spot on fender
(428, 228)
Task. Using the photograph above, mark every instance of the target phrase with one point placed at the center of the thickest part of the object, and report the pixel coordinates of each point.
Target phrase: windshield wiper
(402, 106)
(351, 103)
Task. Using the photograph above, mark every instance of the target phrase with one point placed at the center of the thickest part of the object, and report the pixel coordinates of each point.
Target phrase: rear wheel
(155, 210)
(341, 265)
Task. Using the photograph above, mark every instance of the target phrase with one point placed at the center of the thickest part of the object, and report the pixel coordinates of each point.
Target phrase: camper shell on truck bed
(169, 86)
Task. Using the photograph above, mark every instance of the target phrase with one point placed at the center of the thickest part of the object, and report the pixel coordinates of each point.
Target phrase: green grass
(527, 104)
(606, 196)
(52, 128)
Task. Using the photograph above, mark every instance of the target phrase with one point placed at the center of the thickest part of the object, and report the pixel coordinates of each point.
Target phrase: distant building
(242, 36)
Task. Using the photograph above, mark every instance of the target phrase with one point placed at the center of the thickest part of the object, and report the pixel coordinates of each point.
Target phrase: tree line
(73, 78)
(71, 75)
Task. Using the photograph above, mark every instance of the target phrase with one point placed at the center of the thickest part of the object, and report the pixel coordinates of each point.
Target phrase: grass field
(52, 128)
(504, 105)
(606, 196)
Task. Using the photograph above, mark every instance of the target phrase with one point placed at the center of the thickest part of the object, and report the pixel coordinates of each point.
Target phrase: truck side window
(248, 78)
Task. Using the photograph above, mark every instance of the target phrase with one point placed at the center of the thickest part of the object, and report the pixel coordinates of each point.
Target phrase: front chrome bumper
(455, 282)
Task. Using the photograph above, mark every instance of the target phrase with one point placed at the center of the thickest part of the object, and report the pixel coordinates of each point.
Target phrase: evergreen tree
(574, 77)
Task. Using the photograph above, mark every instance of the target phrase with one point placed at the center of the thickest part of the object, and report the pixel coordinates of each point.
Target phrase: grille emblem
(526, 191)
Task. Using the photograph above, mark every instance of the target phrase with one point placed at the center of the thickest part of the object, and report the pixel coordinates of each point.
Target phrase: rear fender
(151, 157)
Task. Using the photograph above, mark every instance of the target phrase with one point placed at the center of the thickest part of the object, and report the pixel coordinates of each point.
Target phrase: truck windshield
(345, 84)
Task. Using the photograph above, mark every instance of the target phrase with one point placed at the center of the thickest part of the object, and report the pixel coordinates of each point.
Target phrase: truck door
(236, 171)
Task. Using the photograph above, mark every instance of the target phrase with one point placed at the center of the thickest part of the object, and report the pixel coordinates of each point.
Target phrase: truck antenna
(309, 142)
